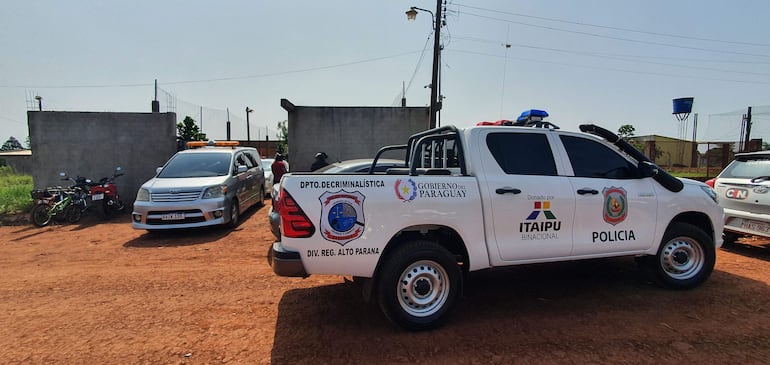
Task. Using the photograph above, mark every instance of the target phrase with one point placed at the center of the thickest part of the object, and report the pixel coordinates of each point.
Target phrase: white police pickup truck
(492, 196)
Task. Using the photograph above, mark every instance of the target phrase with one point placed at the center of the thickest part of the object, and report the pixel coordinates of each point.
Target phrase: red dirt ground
(100, 292)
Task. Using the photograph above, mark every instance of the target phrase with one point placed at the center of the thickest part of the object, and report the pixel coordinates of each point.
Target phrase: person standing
(279, 168)
(320, 161)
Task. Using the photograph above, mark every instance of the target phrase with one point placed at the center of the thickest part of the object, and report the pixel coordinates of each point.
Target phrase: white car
(199, 187)
(743, 190)
(267, 164)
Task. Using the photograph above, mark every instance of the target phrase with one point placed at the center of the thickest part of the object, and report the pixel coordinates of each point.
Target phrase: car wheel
(418, 285)
(261, 202)
(685, 258)
(729, 238)
(235, 214)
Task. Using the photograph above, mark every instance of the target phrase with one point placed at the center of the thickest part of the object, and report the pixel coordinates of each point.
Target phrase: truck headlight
(710, 192)
(216, 191)
(143, 195)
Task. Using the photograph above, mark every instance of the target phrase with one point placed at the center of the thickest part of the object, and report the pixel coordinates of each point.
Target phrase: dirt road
(97, 293)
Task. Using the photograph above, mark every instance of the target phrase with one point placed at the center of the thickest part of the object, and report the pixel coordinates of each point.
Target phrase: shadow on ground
(574, 312)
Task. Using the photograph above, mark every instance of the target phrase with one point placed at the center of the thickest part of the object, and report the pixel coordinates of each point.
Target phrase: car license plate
(172, 216)
(755, 226)
(97, 197)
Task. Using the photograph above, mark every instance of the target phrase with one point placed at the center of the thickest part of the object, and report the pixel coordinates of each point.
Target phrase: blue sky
(601, 61)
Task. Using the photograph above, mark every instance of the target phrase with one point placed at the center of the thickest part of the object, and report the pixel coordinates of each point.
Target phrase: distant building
(20, 161)
(667, 151)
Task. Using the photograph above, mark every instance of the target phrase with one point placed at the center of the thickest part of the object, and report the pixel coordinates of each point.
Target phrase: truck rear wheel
(685, 259)
(418, 285)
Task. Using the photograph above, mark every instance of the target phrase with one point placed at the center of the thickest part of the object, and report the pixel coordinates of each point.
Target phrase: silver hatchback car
(205, 186)
(743, 190)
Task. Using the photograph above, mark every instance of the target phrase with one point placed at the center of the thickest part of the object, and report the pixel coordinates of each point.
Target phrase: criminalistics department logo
(615, 205)
(541, 207)
(342, 216)
(406, 190)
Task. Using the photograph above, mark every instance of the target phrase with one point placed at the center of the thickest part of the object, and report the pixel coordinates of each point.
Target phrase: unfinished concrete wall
(348, 132)
(92, 144)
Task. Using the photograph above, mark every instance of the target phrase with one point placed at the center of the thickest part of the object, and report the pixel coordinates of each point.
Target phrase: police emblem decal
(615, 205)
(342, 216)
(406, 190)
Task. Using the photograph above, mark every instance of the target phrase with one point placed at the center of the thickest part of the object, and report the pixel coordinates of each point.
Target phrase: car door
(531, 206)
(244, 179)
(617, 208)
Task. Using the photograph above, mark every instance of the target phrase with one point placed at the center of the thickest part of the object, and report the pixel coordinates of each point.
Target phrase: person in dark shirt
(278, 167)
(320, 161)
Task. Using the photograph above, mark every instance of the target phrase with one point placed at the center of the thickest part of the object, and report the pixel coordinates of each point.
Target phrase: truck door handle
(507, 190)
(585, 191)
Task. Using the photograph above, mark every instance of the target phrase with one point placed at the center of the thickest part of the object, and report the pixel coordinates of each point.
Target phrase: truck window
(593, 159)
(522, 153)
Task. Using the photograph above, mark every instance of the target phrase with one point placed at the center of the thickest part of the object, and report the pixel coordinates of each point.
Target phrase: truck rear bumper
(286, 263)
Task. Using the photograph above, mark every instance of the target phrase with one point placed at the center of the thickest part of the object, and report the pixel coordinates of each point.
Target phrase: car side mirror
(157, 170)
(648, 169)
(242, 169)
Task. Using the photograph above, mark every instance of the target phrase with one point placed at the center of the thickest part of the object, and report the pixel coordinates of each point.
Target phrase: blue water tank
(683, 105)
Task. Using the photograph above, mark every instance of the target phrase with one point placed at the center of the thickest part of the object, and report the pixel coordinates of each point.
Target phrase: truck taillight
(294, 222)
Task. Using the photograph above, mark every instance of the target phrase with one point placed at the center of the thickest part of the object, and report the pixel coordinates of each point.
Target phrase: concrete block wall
(92, 144)
(346, 133)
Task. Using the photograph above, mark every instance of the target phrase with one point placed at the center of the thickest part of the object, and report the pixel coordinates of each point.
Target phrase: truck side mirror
(648, 169)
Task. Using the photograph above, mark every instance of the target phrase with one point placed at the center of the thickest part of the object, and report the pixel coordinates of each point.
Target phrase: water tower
(682, 110)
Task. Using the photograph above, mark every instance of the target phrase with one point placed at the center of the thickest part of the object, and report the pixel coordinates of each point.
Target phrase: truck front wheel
(685, 258)
(419, 285)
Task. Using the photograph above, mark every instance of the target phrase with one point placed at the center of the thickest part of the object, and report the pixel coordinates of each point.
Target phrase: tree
(188, 130)
(626, 131)
(283, 137)
(12, 144)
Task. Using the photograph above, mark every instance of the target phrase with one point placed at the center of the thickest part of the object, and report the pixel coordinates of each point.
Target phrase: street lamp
(39, 102)
(435, 104)
(248, 133)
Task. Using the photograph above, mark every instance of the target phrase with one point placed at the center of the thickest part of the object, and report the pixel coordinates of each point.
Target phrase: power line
(615, 28)
(677, 46)
(318, 68)
(608, 56)
(613, 69)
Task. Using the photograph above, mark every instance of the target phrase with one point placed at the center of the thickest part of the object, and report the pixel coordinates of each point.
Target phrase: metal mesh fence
(213, 122)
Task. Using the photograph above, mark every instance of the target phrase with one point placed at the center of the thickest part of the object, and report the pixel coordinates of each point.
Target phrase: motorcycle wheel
(41, 215)
(112, 207)
(73, 213)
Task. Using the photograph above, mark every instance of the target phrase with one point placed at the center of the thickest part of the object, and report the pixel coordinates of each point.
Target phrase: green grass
(14, 191)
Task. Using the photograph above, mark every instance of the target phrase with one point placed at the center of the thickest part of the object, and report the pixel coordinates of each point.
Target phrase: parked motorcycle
(107, 192)
(58, 203)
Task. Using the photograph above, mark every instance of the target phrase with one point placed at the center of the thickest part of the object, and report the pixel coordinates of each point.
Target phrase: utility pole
(747, 119)
(435, 104)
(248, 133)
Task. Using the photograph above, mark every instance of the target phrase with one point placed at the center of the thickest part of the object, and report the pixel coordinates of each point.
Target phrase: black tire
(234, 214)
(418, 285)
(110, 207)
(261, 202)
(729, 238)
(685, 258)
(73, 213)
(40, 215)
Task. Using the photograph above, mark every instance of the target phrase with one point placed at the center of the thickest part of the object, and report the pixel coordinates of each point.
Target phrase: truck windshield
(197, 165)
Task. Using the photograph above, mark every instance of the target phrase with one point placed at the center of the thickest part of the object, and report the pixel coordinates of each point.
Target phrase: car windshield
(748, 169)
(197, 165)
